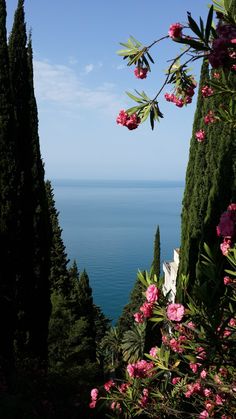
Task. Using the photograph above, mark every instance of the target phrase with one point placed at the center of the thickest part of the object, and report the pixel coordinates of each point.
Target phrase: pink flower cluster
(223, 51)
(175, 312)
(207, 91)
(182, 96)
(140, 369)
(131, 122)
(141, 72)
(200, 135)
(227, 228)
(176, 344)
(108, 385)
(175, 30)
(94, 397)
(146, 310)
(193, 388)
(210, 118)
(144, 399)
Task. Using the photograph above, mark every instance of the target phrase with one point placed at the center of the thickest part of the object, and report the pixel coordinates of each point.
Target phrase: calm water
(109, 228)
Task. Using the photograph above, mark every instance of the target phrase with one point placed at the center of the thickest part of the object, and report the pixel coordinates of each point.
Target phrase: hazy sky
(80, 85)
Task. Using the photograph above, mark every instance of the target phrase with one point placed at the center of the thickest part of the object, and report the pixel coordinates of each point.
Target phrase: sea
(109, 229)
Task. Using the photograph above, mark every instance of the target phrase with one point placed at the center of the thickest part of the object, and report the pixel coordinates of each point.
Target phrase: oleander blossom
(209, 118)
(175, 312)
(138, 317)
(152, 293)
(153, 352)
(175, 30)
(140, 369)
(129, 121)
(200, 135)
(147, 309)
(223, 47)
(108, 385)
(227, 224)
(141, 72)
(207, 91)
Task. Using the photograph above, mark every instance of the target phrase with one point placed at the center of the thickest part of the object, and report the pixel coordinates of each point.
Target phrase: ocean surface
(109, 229)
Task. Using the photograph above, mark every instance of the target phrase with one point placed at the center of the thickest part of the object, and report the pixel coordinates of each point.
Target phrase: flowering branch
(217, 45)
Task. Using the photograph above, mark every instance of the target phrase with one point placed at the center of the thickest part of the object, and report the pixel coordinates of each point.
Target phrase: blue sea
(109, 229)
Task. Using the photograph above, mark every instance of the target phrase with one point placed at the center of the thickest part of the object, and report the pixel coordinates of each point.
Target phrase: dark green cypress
(210, 186)
(33, 217)
(8, 203)
(59, 277)
(156, 264)
(194, 187)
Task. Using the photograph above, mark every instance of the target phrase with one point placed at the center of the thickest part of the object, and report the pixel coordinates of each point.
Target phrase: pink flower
(203, 374)
(209, 118)
(191, 325)
(140, 370)
(146, 309)
(153, 351)
(200, 135)
(228, 280)
(232, 322)
(216, 75)
(133, 122)
(207, 392)
(140, 72)
(175, 312)
(232, 207)
(233, 67)
(201, 353)
(108, 385)
(122, 118)
(145, 392)
(179, 103)
(175, 380)
(175, 345)
(138, 317)
(225, 246)
(207, 91)
(165, 340)
(94, 394)
(226, 226)
(152, 293)
(92, 404)
(175, 30)
(204, 414)
(123, 387)
(194, 367)
(219, 400)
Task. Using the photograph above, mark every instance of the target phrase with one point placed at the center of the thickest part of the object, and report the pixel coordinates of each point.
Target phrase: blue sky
(80, 85)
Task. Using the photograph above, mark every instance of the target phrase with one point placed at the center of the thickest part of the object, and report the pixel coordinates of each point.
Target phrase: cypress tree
(33, 218)
(210, 186)
(156, 264)
(8, 203)
(59, 277)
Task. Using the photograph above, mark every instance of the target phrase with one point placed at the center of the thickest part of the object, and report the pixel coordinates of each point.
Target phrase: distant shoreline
(118, 183)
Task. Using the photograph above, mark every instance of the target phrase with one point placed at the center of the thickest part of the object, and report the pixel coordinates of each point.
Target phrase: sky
(80, 84)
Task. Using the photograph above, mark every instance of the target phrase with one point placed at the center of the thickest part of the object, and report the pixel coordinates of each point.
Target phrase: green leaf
(135, 98)
(202, 27)
(150, 58)
(126, 52)
(208, 24)
(199, 46)
(145, 113)
(194, 26)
